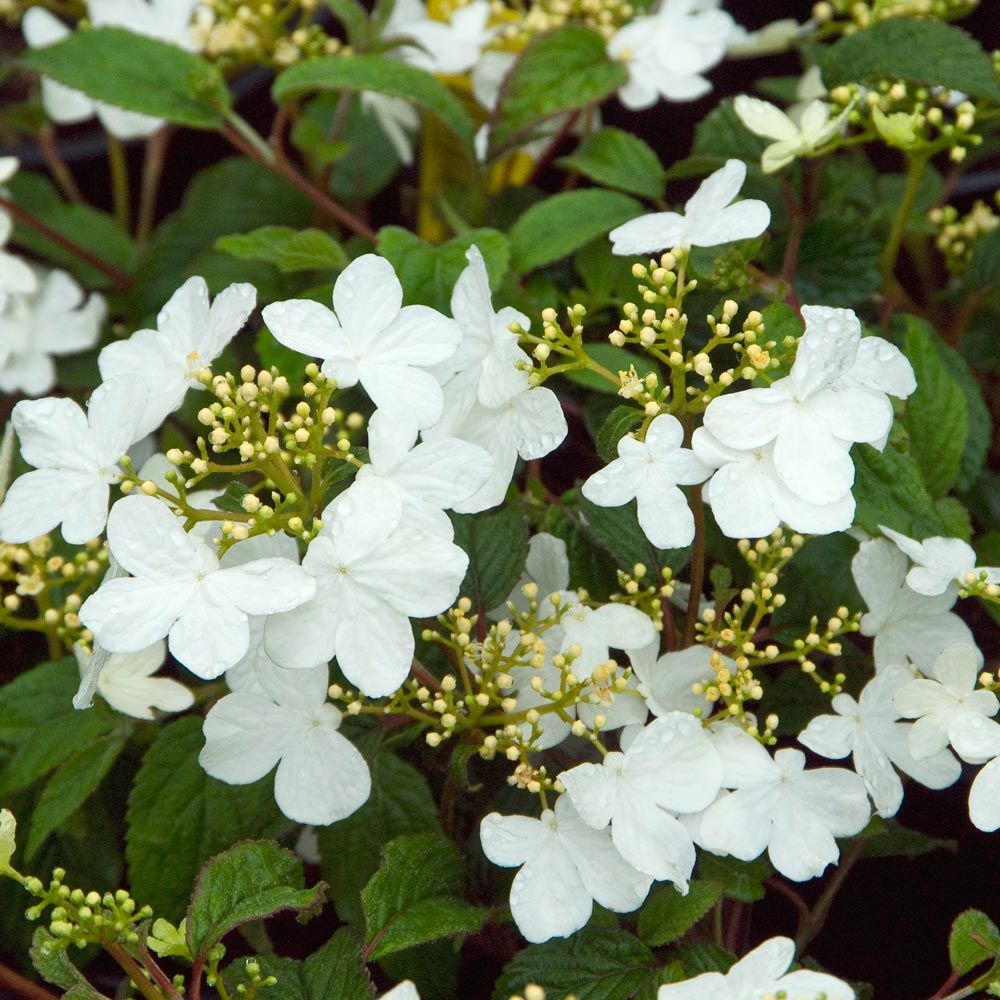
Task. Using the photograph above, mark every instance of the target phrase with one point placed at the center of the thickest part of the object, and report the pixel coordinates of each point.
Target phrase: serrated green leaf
(838, 262)
(719, 136)
(557, 73)
(231, 498)
(740, 880)
(554, 228)
(496, 542)
(596, 963)
(889, 490)
(974, 939)
(178, 817)
(698, 957)
(381, 75)
(136, 73)
(53, 964)
(984, 267)
(618, 159)
(253, 880)
(616, 425)
(667, 915)
(287, 249)
(888, 838)
(414, 897)
(617, 531)
(428, 271)
(922, 51)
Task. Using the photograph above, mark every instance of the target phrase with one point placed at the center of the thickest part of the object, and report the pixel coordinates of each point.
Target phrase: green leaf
(497, 545)
(618, 159)
(615, 359)
(617, 531)
(668, 916)
(740, 880)
(178, 817)
(922, 51)
(984, 267)
(400, 802)
(136, 73)
(52, 963)
(889, 490)
(354, 17)
(557, 73)
(838, 262)
(72, 784)
(251, 881)
(384, 76)
(428, 271)
(596, 963)
(936, 415)
(554, 228)
(616, 425)
(974, 939)
(888, 838)
(286, 248)
(334, 972)
(414, 897)
(698, 957)
(721, 135)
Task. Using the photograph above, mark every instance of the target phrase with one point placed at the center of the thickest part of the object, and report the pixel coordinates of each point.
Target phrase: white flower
(190, 334)
(709, 218)
(777, 805)
(939, 563)
(666, 52)
(397, 118)
(977, 741)
(403, 991)
(546, 565)
(373, 572)
(321, 777)
(446, 47)
(749, 499)
(372, 338)
(761, 973)
(670, 767)
(177, 589)
(834, 395)
(868, 730)
(769, 40)
(905, 625)
(127, 684)
(945, 704)
(16, 277)
(49, 320)
(430, 478)
(565, 867)
(166, 20)
(649, 472)
(76, 458)
(814, 129)
(666, 683)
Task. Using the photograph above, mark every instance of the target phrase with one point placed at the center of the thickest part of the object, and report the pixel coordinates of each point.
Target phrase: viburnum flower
(667, 52)
(565, 866)
(373, 571)
(749, 499)
(905, 625)
(760, 974)
(978, 740)
(666, 683)
(813, 415)
(403, 991)
(670, 767)
(177, 589)
(48, 320)
(868, 729)
(76, 458)
(710, 217)
(649, 472)
(190, 334)
(546, 565)
(446, 47)
(127, 684)
(793, 139)
(321, 776)
(777, 806)
(371, 338)
(430, 478)
(946, 703)
(769, 40)
(939, 563)
(166, 20)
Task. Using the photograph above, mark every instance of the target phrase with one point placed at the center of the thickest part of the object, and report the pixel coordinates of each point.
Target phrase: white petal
(547, 898)
(39, 500)
(367, 297)
(114, 414)
(764, 964)
(648, 234)
(592, 789)
(54, 434)
(262, 587)
(374, 644)
(540, 425)
(208, 639)
(764, 119)
(148, 540)
(127, 615)
(829, 735)
(230, 310)
(509, 841)
(304, 636)
(984, 798)
(245, 735)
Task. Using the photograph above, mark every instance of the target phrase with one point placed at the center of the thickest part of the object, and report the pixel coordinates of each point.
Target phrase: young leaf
(557, 72)
(384, 76)
(496, 542)
(974, 939)
(286, 248)
(554, 228)
(414, 897)
(136, 73)
(668, 916)
(251, 881)
(618, 159)
(52, 963)
(740, 880)
(616, 425)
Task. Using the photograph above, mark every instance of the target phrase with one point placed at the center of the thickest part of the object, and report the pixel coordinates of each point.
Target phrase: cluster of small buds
(42, 590)
(256, 980)
(542, 16)
(640, 591)
(828, 642)
(557, 350)
(978, 585)
(958, 235)
(730, 690)
(533, 779)
(850, 15)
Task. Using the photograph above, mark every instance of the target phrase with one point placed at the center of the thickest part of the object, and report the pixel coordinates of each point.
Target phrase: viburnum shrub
(555, 548)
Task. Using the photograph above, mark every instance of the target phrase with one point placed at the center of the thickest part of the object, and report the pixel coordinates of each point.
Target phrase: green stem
(156, 151)
(121, 195)
(914, 175)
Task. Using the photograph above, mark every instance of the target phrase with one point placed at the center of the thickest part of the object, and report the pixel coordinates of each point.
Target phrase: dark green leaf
(889, 838)
(618, 159)
(698, 957)
(137, 73)
(554, 228)
(617, 531)
(721, 135)
(286, 248)
(354, 17)
(984, 267)
(974, 939)
(556, 73)
(838, 263)
(740, 880)
(52, 963)
(497, 545)
(251, 881)
(667, 915)
(618, 423)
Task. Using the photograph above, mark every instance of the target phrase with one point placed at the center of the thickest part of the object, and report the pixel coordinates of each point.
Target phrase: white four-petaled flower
(938, 563)
(793, 139)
